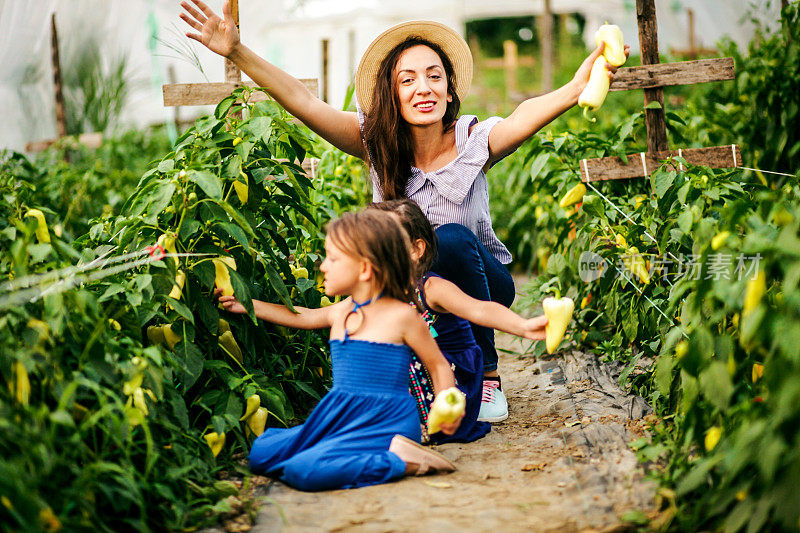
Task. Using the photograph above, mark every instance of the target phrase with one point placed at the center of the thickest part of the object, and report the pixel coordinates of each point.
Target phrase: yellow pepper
(712, 437)
(620, 240)
(20, 386)
(49, 520)
(300, 273)
(138, 401)
(215, 442)
(573, 196)
(719, 239)
(614, 51)
(448, 406)
(156, 335)
(130, 386)
(757, 372)
(782, 217)
(167, 242)
(228, 343)
(559, 313)
(543, 255)
(257, 421)
(325, 301)
(754, 291)
(222, 278)
(253, 403)
(242, 189)
(177, 288)
(681, 349)
(41, 225)
(596, 90)
(636, 264)
(170, 336)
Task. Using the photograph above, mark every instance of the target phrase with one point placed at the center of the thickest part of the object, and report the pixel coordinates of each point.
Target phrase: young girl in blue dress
(366, 429)
(448, 312)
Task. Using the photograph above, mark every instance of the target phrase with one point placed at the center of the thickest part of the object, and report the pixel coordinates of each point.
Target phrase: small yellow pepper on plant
(222, 279)
(257, 421)
(42, 234)
(757, 372)
(713, 435)
(215, 441)
(573, 196)
(253, 403)
(754, 291)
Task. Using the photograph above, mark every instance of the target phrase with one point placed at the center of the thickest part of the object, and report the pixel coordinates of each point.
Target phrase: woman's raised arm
(340, 128)
(535, 113)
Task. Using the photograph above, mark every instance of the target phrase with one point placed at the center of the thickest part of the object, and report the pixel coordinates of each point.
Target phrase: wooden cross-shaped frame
(188, 94)
(652, 77)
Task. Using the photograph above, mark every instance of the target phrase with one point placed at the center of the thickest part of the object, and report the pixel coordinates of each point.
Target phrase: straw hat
(448, 39)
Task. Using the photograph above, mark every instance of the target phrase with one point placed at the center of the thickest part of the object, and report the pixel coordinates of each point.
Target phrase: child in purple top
(446, 309)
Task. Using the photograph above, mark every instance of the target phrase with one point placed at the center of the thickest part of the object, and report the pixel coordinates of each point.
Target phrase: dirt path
(559, 463)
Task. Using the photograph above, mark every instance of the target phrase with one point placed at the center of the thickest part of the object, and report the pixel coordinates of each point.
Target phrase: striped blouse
(458, 192)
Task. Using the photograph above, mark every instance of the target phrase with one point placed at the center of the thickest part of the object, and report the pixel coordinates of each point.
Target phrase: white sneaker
(494, 406)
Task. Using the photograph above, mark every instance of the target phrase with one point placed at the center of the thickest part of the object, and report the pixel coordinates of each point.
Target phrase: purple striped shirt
(457, 192)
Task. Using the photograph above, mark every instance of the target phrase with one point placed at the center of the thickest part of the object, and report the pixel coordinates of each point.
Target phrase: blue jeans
(466, 262)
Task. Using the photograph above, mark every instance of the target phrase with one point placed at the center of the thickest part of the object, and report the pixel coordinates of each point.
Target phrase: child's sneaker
(494, 406)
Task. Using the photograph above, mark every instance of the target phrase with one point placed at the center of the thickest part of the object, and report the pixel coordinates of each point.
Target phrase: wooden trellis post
(191, 94)
(652, 77)
(91, 140)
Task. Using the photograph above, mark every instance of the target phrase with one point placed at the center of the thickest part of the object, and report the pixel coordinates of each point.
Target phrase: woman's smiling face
(421, 86)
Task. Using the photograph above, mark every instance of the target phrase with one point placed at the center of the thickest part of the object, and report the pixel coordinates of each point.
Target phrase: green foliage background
(79, 454)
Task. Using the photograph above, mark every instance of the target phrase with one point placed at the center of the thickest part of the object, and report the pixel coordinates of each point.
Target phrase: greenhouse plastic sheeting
(286, 32)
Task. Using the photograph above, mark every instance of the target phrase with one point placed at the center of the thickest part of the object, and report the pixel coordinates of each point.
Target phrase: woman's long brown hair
(379, 238)
(387, 135)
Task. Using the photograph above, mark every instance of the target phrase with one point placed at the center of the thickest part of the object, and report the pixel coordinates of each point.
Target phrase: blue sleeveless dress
(344, 443)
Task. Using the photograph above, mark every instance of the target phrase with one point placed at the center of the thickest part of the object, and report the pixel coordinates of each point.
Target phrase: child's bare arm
(417, 336)
(304, 318)
(443, 295)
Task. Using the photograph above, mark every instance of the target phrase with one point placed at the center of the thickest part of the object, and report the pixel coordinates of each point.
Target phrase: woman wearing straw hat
(409, 86)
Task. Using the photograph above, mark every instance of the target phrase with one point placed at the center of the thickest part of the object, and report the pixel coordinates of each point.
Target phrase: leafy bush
(698, 295)
(102, 425)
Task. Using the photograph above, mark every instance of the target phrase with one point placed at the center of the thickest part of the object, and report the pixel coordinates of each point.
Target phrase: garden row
(127, 390)
(692, 279)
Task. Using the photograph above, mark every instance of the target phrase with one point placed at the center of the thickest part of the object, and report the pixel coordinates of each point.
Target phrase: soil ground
(559, 463)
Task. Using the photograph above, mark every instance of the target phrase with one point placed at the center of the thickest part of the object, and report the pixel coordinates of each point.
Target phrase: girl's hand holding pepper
(534, 328)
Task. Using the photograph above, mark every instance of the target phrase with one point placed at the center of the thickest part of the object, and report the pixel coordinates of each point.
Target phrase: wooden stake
(546, 42)
(61, 120)
(232, 72)
(325, 43)
(648, 42)
(510, 66)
